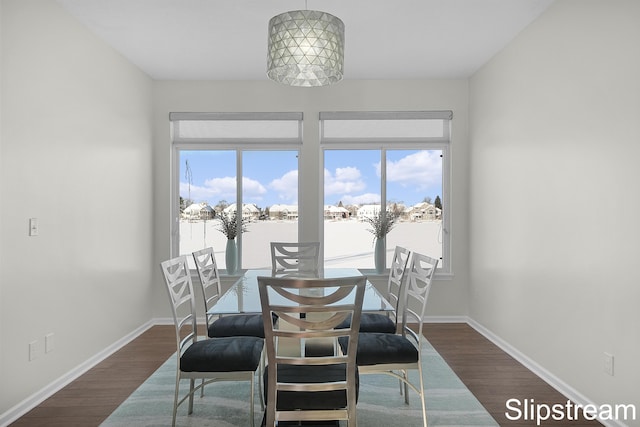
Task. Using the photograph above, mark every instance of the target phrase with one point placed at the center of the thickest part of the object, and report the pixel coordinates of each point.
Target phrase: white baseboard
(445, 319)
(35, 399)
(555, 382)
(166, 321)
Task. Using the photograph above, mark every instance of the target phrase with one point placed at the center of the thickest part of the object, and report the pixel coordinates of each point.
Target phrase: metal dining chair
(214, 359)
(295, 257)
(225, 326)
(249, 325)
(396, 354)
(308, 377)
(388, 322)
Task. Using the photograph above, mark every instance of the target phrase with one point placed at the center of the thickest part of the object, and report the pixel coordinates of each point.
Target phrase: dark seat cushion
(249, 325)
(292, 400)
(376, 348)
(372, 322)
(241, 325)
(223, 355)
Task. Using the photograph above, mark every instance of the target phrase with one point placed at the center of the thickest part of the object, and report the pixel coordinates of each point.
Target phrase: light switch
(33, 226)
(48, 343)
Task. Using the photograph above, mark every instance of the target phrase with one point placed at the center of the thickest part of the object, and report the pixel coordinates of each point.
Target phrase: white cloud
(286, 187)
(420, 170)
(221, 186)
(217, 189)
(205, 193)
(252, 188)
(345, 181)
(362, 199)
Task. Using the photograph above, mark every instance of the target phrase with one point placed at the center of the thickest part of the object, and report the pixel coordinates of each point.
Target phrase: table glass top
(244, 297)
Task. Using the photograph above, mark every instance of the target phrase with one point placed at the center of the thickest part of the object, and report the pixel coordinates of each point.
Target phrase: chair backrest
(396, 279)
(419, 274)
(177, 277)
(301, 257)
(308, 312)
(209, 278)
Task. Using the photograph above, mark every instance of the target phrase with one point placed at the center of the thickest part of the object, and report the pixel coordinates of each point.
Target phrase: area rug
(449, 402)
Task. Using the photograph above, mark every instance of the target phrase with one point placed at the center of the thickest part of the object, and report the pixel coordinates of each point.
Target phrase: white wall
(1, 180)
(555, 143)
(448, 297)
(543, 196)
(76, 154)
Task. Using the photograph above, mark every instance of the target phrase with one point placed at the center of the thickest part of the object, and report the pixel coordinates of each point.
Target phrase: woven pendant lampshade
(306, 48)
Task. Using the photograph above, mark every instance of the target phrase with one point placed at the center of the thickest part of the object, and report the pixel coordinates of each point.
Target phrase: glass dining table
(243, 296)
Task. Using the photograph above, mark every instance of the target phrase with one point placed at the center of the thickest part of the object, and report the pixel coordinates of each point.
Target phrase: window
(219, 165)
(396, 162)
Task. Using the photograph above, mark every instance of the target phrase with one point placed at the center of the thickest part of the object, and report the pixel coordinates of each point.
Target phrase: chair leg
(424, 412)
(271, 412)
(175, 401)
(424, 409)
(353, 411)
(405, 375)
(252, 397)
(263, 358)
(192, 384)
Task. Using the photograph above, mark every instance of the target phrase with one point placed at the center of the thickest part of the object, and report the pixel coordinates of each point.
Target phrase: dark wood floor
(491, 375)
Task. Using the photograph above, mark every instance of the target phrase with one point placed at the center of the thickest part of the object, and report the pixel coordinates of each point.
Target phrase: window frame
(385, 144)
(242, 144)
(239, 145)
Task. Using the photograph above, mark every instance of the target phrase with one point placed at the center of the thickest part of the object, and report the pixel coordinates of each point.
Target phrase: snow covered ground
(347, 242)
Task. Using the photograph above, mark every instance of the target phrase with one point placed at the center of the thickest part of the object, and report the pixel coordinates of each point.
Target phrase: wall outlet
(34, 350)
(608, 364)
(48, 343)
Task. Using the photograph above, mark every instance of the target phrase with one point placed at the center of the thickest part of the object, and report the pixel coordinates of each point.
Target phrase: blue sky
(270, 177)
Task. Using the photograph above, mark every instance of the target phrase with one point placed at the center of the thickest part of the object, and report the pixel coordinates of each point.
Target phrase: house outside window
(392, 161)
(235, 164)
(246, 164)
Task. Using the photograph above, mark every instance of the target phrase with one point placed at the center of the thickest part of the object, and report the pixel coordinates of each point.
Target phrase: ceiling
(384, 39)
